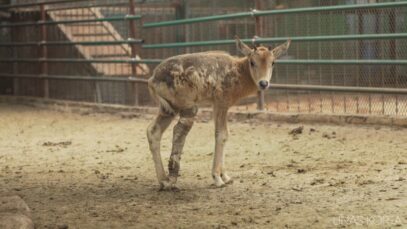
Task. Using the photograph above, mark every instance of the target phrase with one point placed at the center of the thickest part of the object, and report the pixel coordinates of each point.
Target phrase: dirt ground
(95, 171)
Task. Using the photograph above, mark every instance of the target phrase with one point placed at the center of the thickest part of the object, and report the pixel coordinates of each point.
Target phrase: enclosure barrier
(132, 41)
(56, 43)
(108, 19)
(256, 40)
(86, 78)
(272, 86)
(256, 12)
(62, 60)
(115, 3)
(22, 5)
(44, 43)
(157, 61)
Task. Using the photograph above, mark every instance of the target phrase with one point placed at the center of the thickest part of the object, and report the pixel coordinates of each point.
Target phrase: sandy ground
(95, 171)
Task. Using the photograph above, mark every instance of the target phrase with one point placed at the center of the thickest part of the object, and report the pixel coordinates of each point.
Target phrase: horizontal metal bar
(272, 86)
(332, 8)
(282, 39)
(156, 61)
(5, 7)
(65, 60)
(90, 5)
(344, 62)
(192, 43)
(274, 12)
(89, 43)
(196, 20)
(380, 36)
(116, 18)
(339, 88)
(18, 44)
(61, 43)
(218, 42)
(88, 78)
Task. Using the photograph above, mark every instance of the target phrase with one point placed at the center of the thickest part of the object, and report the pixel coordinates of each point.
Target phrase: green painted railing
(196, 20)
(67, 60)
(303, 87)
(156, 61)
(332, 8)
(22, 5)
(295, 87)
(88, 78)
(38, 23)
(281, 39)
(344, 62)
(275, 12)
(62, 43)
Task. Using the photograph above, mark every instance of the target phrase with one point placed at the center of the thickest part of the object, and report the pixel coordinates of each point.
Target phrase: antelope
(182, 83)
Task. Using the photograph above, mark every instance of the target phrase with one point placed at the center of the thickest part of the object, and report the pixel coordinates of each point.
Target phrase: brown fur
(192, 79)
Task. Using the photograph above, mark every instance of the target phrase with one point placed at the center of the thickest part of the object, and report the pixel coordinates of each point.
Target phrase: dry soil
(95, 171)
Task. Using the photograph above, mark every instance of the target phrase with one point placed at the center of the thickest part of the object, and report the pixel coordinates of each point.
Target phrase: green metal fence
(346, 57)
(53, 45)
(308, 54)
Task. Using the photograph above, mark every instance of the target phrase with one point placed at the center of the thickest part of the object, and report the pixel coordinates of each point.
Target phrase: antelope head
(261, 61)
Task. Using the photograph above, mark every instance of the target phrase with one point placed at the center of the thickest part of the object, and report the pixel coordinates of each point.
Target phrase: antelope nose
(263, 84)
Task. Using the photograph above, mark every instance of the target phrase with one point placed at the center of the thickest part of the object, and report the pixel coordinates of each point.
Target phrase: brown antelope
(182, 83)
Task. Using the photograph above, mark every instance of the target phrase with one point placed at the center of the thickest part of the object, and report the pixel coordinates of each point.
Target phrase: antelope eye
(251, 63)
(272, 64)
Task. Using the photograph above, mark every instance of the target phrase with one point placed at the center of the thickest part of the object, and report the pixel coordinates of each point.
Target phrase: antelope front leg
(221, 135)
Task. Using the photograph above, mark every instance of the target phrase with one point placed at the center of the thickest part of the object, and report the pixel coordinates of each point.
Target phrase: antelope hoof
(168, 185)
(218, 182)
(227, 179)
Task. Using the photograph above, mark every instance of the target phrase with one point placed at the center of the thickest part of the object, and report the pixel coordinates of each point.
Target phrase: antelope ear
(244, 49)
(281, 49)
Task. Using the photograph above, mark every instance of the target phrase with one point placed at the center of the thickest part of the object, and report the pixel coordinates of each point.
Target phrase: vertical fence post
(392, 51)
(361, 50)
(259, 32)
(44, 51)
(180, 13)
(393, 55)
(132, 30)
(13, 35)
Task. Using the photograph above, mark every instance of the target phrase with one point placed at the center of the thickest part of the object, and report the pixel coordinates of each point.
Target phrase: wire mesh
(118, 30)
(361, 21)
(340, 22)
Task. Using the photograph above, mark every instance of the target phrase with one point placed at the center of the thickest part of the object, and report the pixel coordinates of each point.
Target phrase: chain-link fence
(90, 50)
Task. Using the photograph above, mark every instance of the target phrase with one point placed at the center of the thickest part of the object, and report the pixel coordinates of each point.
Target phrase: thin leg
(180, 132)
(221, 135)
(154, 133)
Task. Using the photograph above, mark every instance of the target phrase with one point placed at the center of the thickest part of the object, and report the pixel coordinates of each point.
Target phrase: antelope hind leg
(154, 134)
(180, 133)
